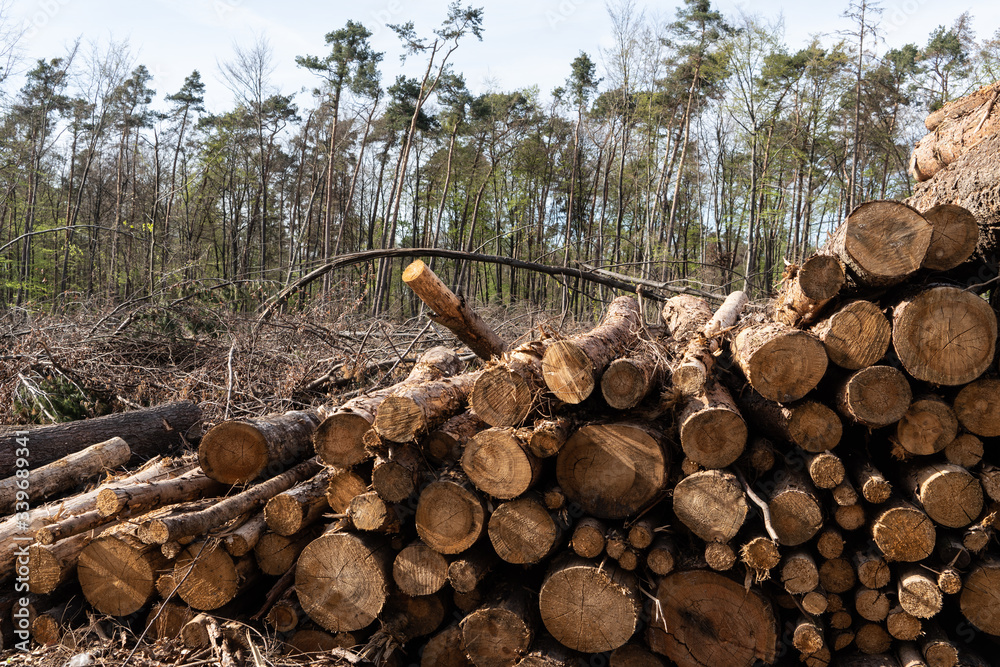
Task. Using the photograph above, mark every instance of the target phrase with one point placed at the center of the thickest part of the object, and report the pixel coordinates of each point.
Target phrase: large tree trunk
(781, 363)
(149, 432)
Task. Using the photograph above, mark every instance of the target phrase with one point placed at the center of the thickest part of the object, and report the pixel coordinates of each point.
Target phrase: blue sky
(526, 42)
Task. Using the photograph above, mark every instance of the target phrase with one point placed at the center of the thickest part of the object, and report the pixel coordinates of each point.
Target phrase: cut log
(685, 318)
(939, 651)
(118, 573)
(856, 335)
(572, 367)
(980, 594)
(711, 504)
(903, 532)
(499, 633)
(396, 473)
(903, 625)
(872, 638)
(450, 514)
(342, 579)
(633, 655)
(809, 424)
(549, 436)
(799, 574)
(338, 439)
(507, 392)
(837, 576)
(417, 408)
(955, 132)
(881, 243)
(62, 474)
(641, 533)
(419, 570)
(977, 406)
(949, 580)
(807, 636)
(720, 556)
(499, 463)
(613, 470)
(949, 494)
(142, 497)
(49, 567)
(627, 381)
(244, 538)
(871, 604)
(276, 554)
(587, 607)
(341, 489)
(149, 432)
(873, 572)
(807, 288)
(286, 613)
(781, 363)
(944, 335)
(966, 450)
(289, 512)
(70, 526)
(166, 619)
(369, 512)
(444, 444)
(710, 620)
(207, 577)
(954, 238)
(662, 556)
(796, 513)
(875, 488)
(445, 649)
(523, 531)
(467, 571)
(760, 554)
(826, 471)
(712, 431)
(453, 312)
(918, 593)
(875, 396)
(588, 537)
(197, 523)
(406, 617)
(928, 426)
(830, 543)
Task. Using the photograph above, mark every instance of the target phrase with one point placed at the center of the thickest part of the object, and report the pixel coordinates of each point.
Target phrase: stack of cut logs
(812, 480)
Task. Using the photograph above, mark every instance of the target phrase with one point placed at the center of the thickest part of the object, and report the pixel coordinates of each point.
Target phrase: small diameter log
(507, 392)
(276, 554)
(284, 616)
(418, 408)
(523, 531)
(118, 573)
(837, 576)
(826, 470)
(954, 236)
(445, 649)
(875, 396)
(710, 620)
(63, 474)
(450, 514)
(419, 570)
(712, 430)
(938, 649)
(685, 316)
(781, 363)
(549, 436)
(807, 636)
(850, 517)
(149, 432)
(500, 464)
(944, 335)
(856, 335)
(816, 602)
(642, 533)
(809, 424)
(928, 426)
(369, 512)
(588, 537)
(341, 488)
(918, 592)
(761, 454)
(795, 509)
(237, 452)
(875, 488)
(499, 633)
(627, 381)
(903, 532)
(467, 571)
(720, 556)
(572, 367)
(342, 579)
(444, 444)
(830, 543)
(51, 566)
(338, 439)
(871, 604)
(711, 504)
(166, 619)
(241, 540)
(844, 494)
(197, 523)
(453, 311)
(691, 373)
(873, 572)
(662, 556)
(289, 512)
(760, 554)
(70, 526)
(989, 479)
(613, 470)
(807, 288)
(395, 475)
(873, 639)
(587, 607)
(142, 497)
(633, 655)
(903, 625)
(949, 494)
(978, 407)
(966, 450)
(949, 580)
(881, 243)
(209, 578)
(799, 574)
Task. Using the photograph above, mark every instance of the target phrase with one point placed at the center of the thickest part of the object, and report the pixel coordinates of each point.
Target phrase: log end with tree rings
(449, 517)
(904, 533)
(711, 504)
(709, 620)
(796, 513)
(118, 576)
(523, 532)
(966, 450)
(627, 381)
(499, 463)
(208, 576)
(875, 396)
(814, 427)
(820, 277)
(338, 439)
(954, 236)
(928, 426)
(977, 406)
(782, 364)
(980, 593)
(501, 397)
(342, 579)
(612, 470)
(945, 335)
(341, 489)
(500, 632)
(856, 336)
(233, 452)
(399, 418)
(419, 570)
(949, 494)
(918, 593)
(884, 242)
(588, 607)
(568, 372)
(712, 431)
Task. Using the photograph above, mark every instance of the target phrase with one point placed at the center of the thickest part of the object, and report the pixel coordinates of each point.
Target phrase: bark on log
(809, 424)
(588, 537)
(137, 498)
(498, 461)
(418, 408)
(207, 577)
(244, 538)
(875, 488)
(70, 526)
(807, 288)
(613, 470)
(875, 396)
(954, 238)
(149, 432)
(445, 649)
(799, 574)
(627, 381)
(685, 317)
(419, 570)
(782, 364)
(444, 444)
(711, 504)
(523, 531)
(956, 129)
(881, 243)
(453, 312)
(902, 625)
(709, 620)
(587, 607)
(499, 633)
(856, 335)
(338, 439)
(549, 436)
(51, 566)
(66, 473)
(712, 431)
(918, 593)
(450, 514)
(467, 571)
(944, 335)
(507, 392)
(572, 367)
(290, 511)
(977, 406)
